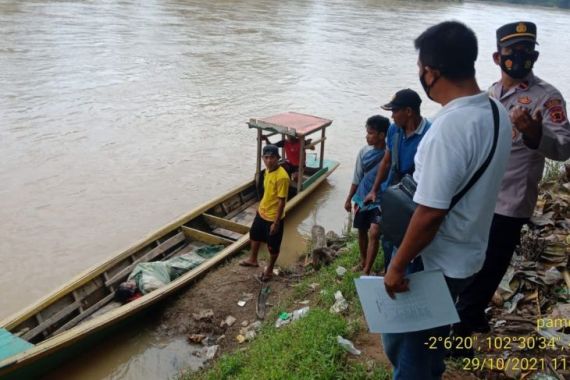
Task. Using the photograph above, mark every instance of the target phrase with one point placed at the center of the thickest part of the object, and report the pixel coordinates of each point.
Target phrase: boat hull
(54, 350)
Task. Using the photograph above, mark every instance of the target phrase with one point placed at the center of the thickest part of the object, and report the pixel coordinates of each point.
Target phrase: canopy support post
(322, 149)
(301, 164)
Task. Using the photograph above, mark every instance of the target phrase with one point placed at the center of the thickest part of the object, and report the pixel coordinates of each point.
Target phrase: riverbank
(305, 348)
(308, 347)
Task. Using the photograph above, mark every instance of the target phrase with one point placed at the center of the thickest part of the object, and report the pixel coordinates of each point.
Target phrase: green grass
(306, 348)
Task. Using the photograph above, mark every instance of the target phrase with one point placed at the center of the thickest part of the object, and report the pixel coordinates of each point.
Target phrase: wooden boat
(43, 335)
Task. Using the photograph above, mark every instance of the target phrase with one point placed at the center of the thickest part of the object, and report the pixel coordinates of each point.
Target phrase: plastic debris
(314, 286)
(228, 322)
(207, 314)
(340, 304)
(535, 292)
(552, 276)
(500, 323)
(208, 353)
(196, 338)
(300, 313)
(285, 318)
(245, 297)
(347, 345)
(211, 352)
(255, 326)
(250, 335)
(511, 305)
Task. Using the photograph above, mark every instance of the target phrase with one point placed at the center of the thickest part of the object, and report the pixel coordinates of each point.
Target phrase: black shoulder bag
(397, 201)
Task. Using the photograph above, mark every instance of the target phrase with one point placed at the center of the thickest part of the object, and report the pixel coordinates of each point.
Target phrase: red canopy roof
(291, 123)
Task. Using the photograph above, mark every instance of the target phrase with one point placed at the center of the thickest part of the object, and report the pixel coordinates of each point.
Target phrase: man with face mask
(458, 145)
(540, 129)
(402, 141)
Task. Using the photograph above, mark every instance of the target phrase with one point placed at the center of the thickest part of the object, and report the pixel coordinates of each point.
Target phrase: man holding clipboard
(471, 134)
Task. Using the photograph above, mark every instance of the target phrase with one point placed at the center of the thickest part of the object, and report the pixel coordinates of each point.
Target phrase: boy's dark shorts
(260, 232)
(363, 219)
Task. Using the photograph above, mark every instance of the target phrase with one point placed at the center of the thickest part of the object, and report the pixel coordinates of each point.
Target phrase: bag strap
(483, 167)
(394, 153)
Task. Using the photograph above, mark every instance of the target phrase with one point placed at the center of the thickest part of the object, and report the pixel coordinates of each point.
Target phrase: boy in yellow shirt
(268, 224)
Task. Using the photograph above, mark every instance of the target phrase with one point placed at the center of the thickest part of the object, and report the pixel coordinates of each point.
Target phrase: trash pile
(533, 299)
(212, 330)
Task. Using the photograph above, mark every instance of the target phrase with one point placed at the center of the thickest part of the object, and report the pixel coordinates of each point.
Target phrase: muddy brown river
(118, 116)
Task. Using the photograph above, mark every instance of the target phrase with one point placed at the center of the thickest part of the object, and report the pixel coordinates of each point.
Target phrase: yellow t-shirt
(276, 184)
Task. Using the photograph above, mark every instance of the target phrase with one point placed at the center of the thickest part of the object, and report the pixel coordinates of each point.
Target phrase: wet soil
(220, 291)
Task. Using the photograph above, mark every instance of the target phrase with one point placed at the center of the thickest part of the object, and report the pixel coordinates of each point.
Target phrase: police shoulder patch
(557, 114)
(524, 100)
(552, 102)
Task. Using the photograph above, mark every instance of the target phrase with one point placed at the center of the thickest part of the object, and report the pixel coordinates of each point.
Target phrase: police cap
(512, 33)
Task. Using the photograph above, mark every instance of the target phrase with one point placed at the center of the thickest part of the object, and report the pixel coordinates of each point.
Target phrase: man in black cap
(403, 138)
(268, 224)
(540, 130)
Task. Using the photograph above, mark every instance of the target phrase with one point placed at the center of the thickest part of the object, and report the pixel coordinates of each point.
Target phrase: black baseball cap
(270, 150)
(522, 31)
(404, 98)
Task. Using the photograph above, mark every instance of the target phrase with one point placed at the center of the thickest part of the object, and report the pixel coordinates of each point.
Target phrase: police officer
(540, 130)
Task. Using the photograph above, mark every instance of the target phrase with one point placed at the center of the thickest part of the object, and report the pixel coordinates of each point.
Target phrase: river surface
(118, 116)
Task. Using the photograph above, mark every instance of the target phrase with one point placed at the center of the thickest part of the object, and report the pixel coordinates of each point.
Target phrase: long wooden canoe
(43, 335)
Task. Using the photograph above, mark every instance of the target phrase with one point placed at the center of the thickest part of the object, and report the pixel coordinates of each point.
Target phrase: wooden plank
(219, 231)
(227, 224)
(179, 237)
(250, 195)
(204, 236)
(314, 177)
(102, 302)
(51, 320)
(315, 143)
(77, 298)
(240, 209)
(92, 286)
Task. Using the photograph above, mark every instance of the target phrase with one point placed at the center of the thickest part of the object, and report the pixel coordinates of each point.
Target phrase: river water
(118, 116)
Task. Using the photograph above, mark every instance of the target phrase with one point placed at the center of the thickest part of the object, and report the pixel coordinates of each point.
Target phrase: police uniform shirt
(519, 188)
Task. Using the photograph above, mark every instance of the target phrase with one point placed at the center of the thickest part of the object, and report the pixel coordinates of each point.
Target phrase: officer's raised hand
(530, 126)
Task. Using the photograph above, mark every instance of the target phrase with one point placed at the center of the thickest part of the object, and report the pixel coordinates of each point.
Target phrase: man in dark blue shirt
(402, 141)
